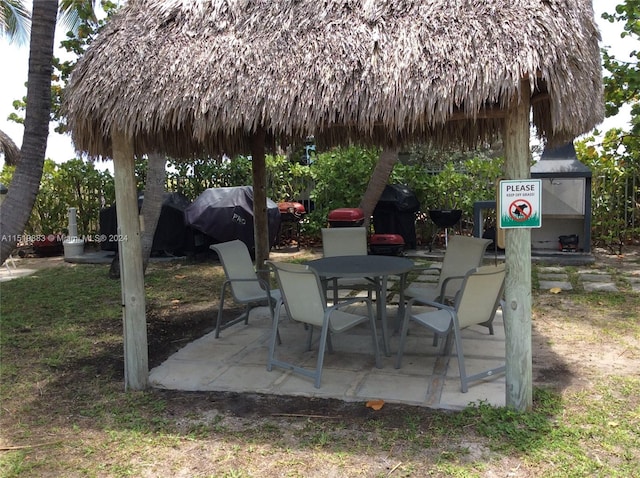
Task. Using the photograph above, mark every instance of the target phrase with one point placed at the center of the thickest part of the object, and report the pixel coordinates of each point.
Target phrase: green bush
(615, 212)
(75, 183)
(338, 178)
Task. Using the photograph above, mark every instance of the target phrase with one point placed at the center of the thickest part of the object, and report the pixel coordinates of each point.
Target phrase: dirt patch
(574, 342)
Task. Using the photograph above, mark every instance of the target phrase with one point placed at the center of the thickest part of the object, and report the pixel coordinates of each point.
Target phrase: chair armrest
(261, 282)
(430, 303)
(445, 283)
(432, 267)
(344, 303)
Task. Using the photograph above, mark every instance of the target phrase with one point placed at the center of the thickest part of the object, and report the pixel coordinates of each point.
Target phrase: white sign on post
(520, 203)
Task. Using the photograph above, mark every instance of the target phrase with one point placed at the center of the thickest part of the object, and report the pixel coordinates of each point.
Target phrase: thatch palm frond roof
(192, 77)
(9, 149)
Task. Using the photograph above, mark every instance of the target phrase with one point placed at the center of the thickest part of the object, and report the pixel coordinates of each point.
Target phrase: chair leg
(219, 321)
(273, 318)
(374, 335)
(321, 347)
(275, 336)
(244, 316)
(403, 338)
(461, 367)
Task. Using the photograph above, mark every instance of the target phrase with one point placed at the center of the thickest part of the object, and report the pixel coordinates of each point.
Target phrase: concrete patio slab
(594, 277)
(236, 362)
(600, 287)
(550, 284)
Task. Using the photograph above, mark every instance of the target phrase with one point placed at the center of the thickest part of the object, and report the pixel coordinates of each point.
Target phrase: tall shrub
(615, 204)
(340, 178)
(75, 183)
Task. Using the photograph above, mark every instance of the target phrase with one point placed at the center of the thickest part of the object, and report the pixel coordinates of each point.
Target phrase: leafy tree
(79, 16)
(614, 198)
(20, 199)
(622, 86)
(615, 161)
(75, 183)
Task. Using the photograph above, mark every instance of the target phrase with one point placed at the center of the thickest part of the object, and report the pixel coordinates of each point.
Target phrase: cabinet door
(562, 196)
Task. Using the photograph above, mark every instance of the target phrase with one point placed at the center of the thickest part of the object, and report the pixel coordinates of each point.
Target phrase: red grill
(386, 244)
(291, 211)
(291, 215)
(346, 217)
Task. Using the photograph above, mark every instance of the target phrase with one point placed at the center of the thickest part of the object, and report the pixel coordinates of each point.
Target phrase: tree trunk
(379, 178)
(151, 207)
(16, 208)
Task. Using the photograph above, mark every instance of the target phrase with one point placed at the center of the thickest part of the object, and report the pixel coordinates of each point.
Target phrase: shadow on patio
(236, 362)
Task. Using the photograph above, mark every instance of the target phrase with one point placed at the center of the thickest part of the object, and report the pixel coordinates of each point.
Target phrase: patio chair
(304, 301)
(476, 303)
(345, 241)
(245, 285)
(462, 254)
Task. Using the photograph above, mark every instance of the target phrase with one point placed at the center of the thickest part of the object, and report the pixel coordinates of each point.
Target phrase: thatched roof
(192, 77)
(9, 149)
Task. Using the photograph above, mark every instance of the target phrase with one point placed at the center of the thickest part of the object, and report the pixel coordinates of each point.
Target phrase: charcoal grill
(291, 216)
(444, 218)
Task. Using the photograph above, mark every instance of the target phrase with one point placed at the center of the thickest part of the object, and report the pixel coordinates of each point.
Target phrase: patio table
(372, 267)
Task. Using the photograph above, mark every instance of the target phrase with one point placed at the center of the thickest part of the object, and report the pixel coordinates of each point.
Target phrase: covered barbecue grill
(172, 236)
(395, 213)
(225, 214)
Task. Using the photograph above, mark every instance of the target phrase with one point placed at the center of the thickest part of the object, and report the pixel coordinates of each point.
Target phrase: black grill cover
(171, 235)
(225, 214)
(395, 213)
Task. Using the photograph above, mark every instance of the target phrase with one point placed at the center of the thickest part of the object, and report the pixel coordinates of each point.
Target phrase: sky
(60, 148)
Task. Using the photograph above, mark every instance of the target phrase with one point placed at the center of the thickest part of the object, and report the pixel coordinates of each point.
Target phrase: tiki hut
(190, 78)
(200, 77)
(9, 149)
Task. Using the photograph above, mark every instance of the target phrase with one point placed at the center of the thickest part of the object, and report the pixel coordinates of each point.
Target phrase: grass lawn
(64, 411)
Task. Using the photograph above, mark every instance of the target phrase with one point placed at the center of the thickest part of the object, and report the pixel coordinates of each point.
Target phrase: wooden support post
(517, 319)
(136, 353)
(260, 219)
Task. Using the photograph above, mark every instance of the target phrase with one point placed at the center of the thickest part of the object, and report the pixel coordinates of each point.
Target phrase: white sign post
(520, 203)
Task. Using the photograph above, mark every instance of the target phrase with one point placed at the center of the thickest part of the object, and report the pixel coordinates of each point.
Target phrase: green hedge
(333, 179)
